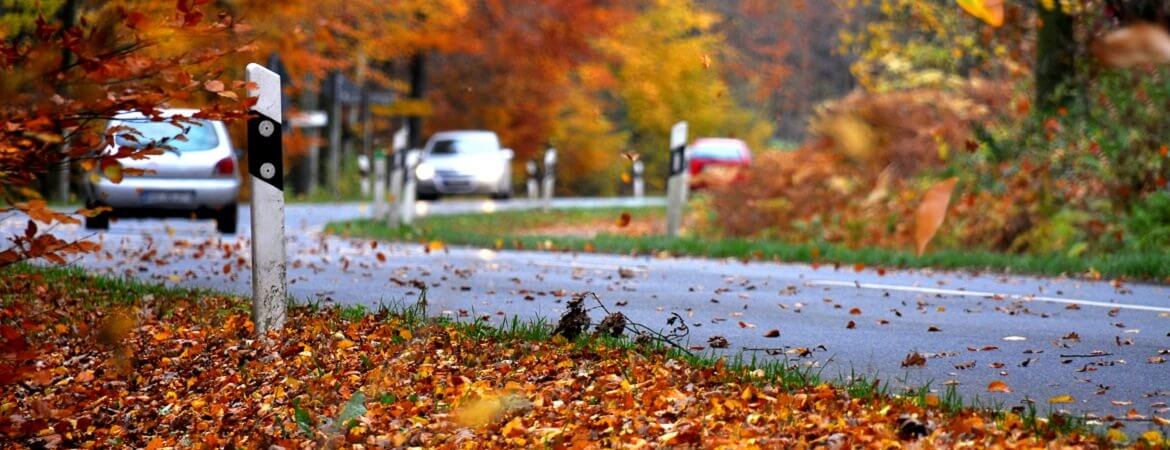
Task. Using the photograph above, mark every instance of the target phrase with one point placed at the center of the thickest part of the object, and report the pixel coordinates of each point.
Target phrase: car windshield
(465, 145)
(198, 135)
(716, 151)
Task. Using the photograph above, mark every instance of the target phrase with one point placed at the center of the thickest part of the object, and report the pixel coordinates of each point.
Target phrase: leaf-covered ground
(95, 363)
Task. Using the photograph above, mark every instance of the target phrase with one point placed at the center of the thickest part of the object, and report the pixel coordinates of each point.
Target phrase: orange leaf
(213, 86)
(989, 11)
(999, 386)
(931, 212)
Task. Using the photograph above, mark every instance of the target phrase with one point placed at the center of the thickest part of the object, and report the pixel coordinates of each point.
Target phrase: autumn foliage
(61, 82)
(171, 369)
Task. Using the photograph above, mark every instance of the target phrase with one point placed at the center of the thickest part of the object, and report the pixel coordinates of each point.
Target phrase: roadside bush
(1148, 226)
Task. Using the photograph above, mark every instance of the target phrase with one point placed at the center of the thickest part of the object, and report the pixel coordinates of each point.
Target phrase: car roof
(719, 141)
(453, 134)
(167, 112)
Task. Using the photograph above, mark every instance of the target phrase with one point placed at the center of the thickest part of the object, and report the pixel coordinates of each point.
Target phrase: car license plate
(168, 197)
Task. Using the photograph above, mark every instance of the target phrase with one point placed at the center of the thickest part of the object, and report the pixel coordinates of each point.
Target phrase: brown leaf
(624, 220)
(772, 333)
(1134, 45)
(931, 212)
(914, 359)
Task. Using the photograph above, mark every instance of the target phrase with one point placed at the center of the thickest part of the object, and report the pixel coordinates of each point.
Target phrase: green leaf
(353, 409)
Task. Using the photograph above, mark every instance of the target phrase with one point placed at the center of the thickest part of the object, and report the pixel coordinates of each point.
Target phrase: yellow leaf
(1117, 436)
(405, 334)
(931, 212)
(989, 11)
(1061, 399)
(112, 169)
(1154, 438)
(345, 343)
(999, 386)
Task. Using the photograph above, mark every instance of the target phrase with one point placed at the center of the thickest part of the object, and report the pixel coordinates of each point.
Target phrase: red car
(716, 161)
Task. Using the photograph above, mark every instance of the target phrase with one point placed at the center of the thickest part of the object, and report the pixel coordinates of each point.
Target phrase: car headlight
(424, 172)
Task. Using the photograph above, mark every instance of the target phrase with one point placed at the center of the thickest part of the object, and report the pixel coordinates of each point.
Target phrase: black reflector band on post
(265, 161)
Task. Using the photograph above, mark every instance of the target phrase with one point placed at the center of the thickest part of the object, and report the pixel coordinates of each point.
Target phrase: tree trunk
(1055, 58)
(57, 182)
(418, 86)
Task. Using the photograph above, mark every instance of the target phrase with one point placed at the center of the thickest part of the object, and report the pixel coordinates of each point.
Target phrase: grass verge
(521, 230)
(94, 362)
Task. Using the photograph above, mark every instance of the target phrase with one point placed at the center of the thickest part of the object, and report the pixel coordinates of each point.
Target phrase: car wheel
(101, 221)
(226, 219)
(428, 196)
(501, 195)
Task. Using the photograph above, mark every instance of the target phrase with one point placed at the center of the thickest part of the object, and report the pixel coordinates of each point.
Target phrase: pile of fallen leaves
(81, 365)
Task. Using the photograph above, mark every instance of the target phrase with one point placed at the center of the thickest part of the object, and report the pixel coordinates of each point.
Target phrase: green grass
(508, 228)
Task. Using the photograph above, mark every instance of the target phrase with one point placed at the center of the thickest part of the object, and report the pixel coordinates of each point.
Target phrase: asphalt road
(1099, 342)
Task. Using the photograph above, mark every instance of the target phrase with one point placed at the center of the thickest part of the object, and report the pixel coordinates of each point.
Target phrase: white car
(464, 162)
(197, 177)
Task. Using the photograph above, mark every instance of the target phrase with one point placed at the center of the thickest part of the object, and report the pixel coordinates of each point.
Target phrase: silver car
(465, 162)
(197, 178)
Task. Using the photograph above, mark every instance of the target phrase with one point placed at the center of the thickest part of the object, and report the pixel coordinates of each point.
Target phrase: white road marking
(576, 265)
(926, 290)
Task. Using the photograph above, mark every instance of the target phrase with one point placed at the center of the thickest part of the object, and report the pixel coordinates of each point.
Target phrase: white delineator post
(266, 168)
(639, 183)
(409, 185)
(533, 183)
(398, 159)
(379, 185)
(676, 184)
(550, 177)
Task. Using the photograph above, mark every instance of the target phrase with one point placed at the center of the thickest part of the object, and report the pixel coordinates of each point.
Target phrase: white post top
(399, 142)
(678, 135)
(550, 156)
(265, 85)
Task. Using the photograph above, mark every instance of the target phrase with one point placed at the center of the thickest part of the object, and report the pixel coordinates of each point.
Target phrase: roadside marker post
(639, 183)
(406, 203)
(676, 183)
(266, 168)
(379, 185)
(550, 177)
(533, 184)
(397, 165)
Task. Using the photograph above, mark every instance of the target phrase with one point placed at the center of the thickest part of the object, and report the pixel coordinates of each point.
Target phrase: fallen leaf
(914, 359)
(772, 333)
(624, 220)
(1061, 399)
(999, 386)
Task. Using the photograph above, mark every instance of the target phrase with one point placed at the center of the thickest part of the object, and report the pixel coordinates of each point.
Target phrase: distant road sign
(308, 119)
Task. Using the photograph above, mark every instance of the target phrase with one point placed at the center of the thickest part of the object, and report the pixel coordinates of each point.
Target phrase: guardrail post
(533, 185)
(550, 177)
(265, 165)
(397, 165)
(379, 181)
(406, 204)
(639, 183)
(676, 183)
